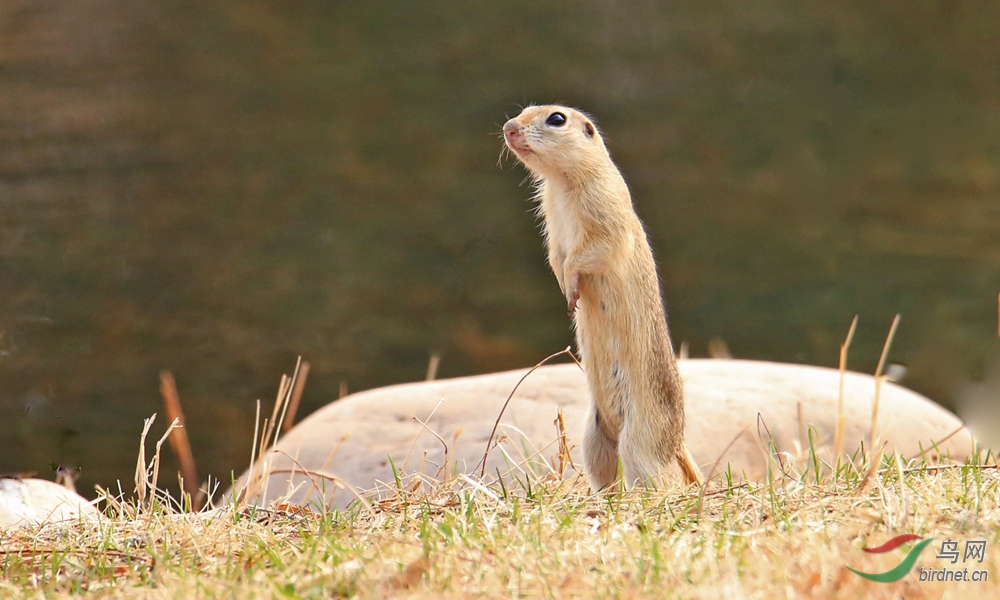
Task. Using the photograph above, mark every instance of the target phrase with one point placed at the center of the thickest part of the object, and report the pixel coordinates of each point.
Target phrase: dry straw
(529, 533)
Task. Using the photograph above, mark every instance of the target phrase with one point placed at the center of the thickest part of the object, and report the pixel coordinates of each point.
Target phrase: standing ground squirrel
(598, 251)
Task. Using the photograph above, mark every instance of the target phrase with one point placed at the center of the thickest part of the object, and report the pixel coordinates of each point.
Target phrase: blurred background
(217, 187)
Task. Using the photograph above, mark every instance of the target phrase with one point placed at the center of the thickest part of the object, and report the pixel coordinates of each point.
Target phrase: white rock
(36, 501)
(347, 444)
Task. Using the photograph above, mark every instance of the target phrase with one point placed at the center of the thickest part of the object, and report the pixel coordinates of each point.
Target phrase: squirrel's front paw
(572, 297)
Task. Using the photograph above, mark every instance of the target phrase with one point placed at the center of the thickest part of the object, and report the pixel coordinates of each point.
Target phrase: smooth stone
(36, 501)
(346, 444)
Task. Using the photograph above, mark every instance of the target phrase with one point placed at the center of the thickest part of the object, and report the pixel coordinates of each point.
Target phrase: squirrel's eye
(556, 119)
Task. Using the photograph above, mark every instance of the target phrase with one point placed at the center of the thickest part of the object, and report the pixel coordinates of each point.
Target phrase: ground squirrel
(598, 251)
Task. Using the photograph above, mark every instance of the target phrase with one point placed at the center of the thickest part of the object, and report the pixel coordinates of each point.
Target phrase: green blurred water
(215, 188)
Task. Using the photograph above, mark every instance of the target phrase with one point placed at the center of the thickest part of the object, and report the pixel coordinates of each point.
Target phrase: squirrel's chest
(563, 230)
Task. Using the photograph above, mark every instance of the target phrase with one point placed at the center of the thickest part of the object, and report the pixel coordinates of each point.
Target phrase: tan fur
(598, 251)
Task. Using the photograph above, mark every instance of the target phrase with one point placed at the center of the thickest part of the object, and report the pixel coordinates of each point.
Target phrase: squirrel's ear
(588, 129)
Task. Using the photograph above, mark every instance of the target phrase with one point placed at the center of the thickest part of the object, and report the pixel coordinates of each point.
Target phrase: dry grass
(787, 537)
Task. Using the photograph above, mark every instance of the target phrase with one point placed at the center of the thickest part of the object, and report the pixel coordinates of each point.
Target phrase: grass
(789, 536)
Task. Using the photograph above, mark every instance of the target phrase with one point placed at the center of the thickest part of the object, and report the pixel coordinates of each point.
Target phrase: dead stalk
(444, 468)
(140, 464)
(838, 432)
(156, 461)
(879, 377)
(489, 442)
(432, 367)
(179, 442)
(293, 405)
